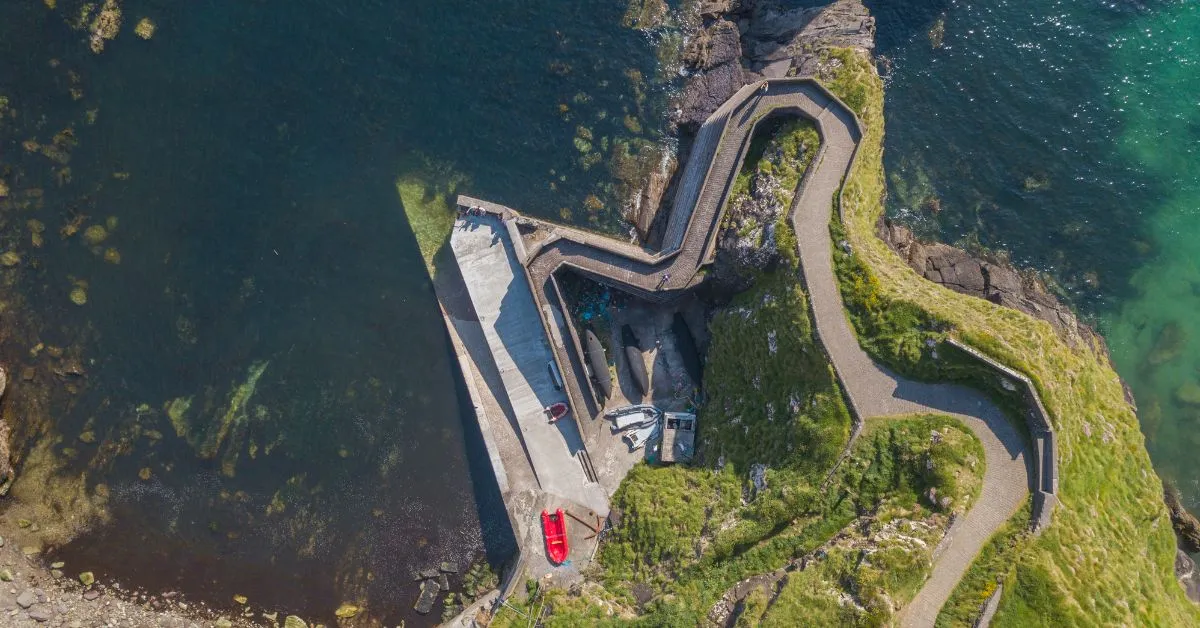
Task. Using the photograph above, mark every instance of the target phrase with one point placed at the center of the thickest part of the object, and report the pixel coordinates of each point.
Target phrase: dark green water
(270, 294)
(269, 283)
(1067, 133)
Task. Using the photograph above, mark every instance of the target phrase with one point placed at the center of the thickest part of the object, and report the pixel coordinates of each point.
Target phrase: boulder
(429, 593)
(41, 613)
(27, 598)
(987, 277)
(709, 9)
(1187, 575)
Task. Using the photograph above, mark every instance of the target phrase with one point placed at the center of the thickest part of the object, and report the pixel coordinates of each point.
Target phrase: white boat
(638, 438)
(641, 419)
(623, 410)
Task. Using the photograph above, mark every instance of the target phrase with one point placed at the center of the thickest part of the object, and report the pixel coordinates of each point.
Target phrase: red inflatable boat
(557, 411)
(555, 529)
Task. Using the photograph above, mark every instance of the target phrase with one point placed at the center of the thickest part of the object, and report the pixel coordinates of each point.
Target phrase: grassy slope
(1108, 556)
(884, 560)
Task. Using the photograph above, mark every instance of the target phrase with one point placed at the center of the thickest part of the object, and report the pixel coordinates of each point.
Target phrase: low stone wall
(1041, 432)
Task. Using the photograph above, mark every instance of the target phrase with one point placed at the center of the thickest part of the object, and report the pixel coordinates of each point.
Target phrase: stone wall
(1041, 433)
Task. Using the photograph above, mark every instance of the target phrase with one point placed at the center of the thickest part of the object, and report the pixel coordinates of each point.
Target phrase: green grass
(772, 397)
(686, 534)
(884, 561)
(990, 568)
(1108, 555)
(665, 515)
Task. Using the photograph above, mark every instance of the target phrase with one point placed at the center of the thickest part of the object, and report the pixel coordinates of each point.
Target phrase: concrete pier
(509, 320)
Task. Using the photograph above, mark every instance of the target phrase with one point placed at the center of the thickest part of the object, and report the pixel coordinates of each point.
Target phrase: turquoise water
(1066, 133)
(270, 407)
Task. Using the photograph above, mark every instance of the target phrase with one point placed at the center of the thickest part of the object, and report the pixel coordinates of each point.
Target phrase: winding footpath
(873, 391)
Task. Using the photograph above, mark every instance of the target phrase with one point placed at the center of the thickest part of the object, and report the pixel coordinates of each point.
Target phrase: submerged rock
(95, 234)
(425, 601)
(1188, 394)
(106, 25)
(79, 295)
(1169, 344)
(145, 28)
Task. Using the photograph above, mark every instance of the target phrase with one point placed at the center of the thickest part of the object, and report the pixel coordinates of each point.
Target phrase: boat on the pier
(597, 362)
(557, 411)
(638, 438)
(634, 409)
(638, 416)
(554, 527)
(633, 356)
(685, 344)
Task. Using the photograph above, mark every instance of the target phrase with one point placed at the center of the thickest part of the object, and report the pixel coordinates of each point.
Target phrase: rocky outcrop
(1186, 526)
(779, 42)
(1187, 575)
(714, 53)
(987, 277)
(7, 474)
(747, 240)
(741, 41)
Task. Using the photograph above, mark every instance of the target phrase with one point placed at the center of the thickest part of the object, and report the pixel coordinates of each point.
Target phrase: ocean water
(268, 404)
(1066, 133)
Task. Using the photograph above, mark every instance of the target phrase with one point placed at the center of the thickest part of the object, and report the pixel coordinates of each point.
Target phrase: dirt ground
(671, 387)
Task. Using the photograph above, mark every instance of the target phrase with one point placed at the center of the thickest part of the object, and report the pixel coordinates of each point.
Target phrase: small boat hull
(638, 438)
(557, 411)
(636, 409)
(633, 357)
(639, 419)
(598, 362)
(554, 527)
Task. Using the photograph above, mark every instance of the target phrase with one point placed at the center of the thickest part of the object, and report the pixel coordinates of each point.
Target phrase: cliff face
(742, 41)
(987, 277)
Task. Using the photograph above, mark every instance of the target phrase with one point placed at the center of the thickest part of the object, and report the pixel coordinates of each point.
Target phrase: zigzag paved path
(874, 391)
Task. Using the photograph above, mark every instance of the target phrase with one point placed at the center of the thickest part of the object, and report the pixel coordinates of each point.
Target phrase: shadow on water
(499, 539)
(248, 153)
